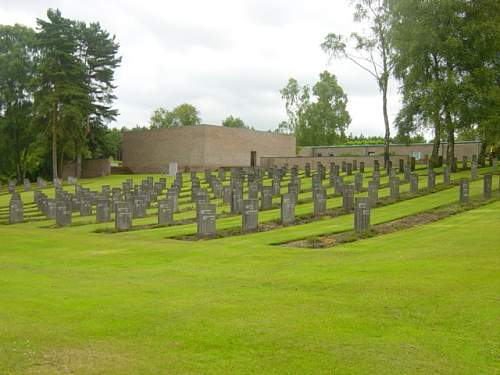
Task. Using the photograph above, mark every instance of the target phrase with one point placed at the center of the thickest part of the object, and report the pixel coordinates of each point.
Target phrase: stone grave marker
(236, 200)
(27, 184)
(123, 216)
(348, 197)
(362, 167)
(358, 182)
(287, 209)
(103, 210)
(250, 215)
(487, 185)
(473, 170)
(446, 175)
(362, 215)
(464, 162)
(206, 220)
(266, 202)
(172, 169)
(349, 169)
(431, 180)
(414, 183)
(85, 207)
(464, 190)
(63, 212)
(394, 187)
(165, 212)
(320, 202)
(373, 193)
(16, 210)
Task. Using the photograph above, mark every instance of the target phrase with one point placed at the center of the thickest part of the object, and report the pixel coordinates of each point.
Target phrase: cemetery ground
(154, 300)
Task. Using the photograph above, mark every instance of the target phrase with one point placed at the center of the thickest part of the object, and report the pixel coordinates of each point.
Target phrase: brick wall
(200, 147)
(301, 161)
(461, 149)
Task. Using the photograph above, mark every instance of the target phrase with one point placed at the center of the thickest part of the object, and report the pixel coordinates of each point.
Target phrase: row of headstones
(206, 212)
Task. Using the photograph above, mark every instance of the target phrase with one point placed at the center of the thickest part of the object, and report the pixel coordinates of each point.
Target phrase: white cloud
(226, 57)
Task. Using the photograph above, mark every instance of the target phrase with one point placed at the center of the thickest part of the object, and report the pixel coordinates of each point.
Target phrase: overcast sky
(225, 57)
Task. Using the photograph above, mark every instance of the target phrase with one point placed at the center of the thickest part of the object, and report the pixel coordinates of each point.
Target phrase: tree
(62, 89)
(234, 122)
(182, 115)
(17, 59)
(296, 100)
(97, 51)
(323, 121)
(446, 58)
(371, 51)
(161, 118)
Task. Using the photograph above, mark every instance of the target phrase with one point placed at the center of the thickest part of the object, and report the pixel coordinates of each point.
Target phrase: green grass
(419, 301)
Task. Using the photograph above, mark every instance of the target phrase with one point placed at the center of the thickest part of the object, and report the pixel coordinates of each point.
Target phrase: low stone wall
(326, 160)
(90, 168)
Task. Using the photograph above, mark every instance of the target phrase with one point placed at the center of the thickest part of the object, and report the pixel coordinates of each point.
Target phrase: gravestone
(354, 165)
(464, 163)
(123, 216)
(412, 163)
(27, 184)
(362, 215)
(320, 202)
(376, 177)
(276, 187)
(348, 197)
(362, 167)
(102, 210)
(172, 169)
(401, 166)
(494, 161)
(266, 202)
(487, 185)
(343, 166)
(51, 209)
(431, 180)
(250, 215)
(394, 187)
(293, 190)
(226, 194)
(139, 207)
(63, 213)
(464, 190)
(236, 200)
(16, 210)
(85, 207)
(253, 191)
(376, 166)
(287, 209)
(307, 170)
(446, 175)
(206, 220)
(473, 170)
(414, 183)
(349, 169)
(373, 193)
(407, 172)
(358, 182)
(165, 212)
(173, 197)
(338, 185)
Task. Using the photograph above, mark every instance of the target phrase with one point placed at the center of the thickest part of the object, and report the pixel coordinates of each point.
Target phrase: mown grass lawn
(424, 300)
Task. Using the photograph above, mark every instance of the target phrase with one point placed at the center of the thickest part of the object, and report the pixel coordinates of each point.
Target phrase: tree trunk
(387, 137)
(19, 171)
(78, 160)
(450, 150)
(436, 143)
(54, 142)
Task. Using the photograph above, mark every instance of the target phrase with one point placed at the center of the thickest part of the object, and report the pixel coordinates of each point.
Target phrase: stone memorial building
(201, 147)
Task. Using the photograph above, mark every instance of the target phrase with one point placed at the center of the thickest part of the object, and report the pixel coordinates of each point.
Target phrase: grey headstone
(103, 210)
(16, 210)
(236, 200)
(487, 185)
(362, 167)
(320, 202)
(206, 220)
(123, 216)
(358, 182)
(349, 169)
(362, 215)
(446, 175)
(250, 215)
(166, 212)
(414, 183)
(394, 187)
(464, 163)
(63, 213)
(348, 197)
(266, 202)
(85, 207)
(464, 190)
(373, 193)
(287, 209)
(431, 180)
(473, 170)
